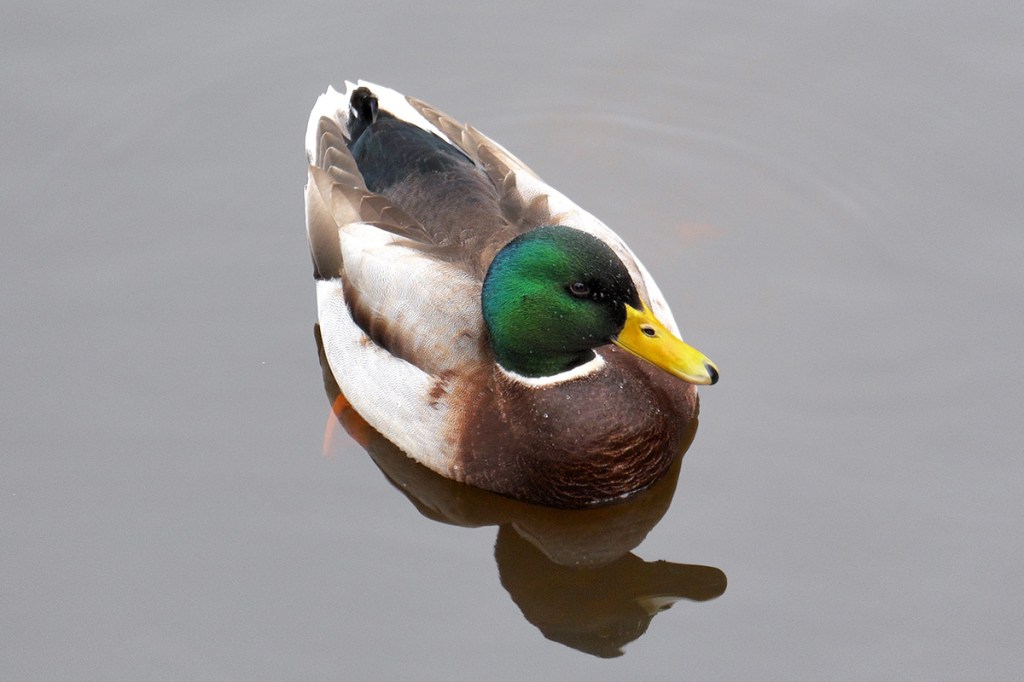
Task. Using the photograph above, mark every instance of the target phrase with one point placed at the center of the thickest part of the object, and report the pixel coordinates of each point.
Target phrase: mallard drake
(493, 330)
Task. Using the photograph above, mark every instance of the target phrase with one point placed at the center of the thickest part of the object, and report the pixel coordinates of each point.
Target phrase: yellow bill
(645, 336)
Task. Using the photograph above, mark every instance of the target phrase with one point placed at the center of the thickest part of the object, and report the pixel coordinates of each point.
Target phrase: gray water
(830, 195)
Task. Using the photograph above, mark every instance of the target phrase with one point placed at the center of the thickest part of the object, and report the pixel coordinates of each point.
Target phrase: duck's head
(555, 293)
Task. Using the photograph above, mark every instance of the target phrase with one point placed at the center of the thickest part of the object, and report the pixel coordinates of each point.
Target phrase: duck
(494, 331)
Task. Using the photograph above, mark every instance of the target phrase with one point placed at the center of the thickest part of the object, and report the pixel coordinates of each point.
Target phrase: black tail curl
(362, 109)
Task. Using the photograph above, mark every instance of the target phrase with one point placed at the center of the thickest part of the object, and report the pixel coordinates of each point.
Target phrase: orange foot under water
(343, 412)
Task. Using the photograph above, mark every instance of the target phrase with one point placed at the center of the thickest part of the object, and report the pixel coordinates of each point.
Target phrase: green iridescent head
(551, 296)
(554, 294)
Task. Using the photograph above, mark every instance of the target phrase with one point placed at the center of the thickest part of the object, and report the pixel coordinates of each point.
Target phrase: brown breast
(576, 443)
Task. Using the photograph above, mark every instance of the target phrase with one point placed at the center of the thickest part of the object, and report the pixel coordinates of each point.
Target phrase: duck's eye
(579, 290)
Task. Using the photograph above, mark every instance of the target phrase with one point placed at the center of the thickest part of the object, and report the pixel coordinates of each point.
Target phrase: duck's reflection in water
(571, 572)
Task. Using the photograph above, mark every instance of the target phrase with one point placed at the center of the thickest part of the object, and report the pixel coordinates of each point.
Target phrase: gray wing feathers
(502, 167)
